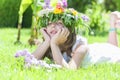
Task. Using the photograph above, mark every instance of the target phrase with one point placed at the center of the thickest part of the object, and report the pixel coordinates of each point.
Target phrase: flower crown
(69, 16)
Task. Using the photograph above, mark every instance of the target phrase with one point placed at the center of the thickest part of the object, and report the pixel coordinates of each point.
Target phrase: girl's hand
(60, 37)
(45, 34)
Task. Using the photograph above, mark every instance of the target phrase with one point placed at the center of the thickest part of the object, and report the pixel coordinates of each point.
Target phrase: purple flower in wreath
(85, 18)
(47, 4)
(64, 2)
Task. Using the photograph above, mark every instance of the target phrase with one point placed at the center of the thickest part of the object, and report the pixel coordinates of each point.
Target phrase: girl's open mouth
(53, 32)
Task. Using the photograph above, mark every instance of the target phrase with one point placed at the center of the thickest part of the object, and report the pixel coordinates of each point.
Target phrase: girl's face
(52, 29)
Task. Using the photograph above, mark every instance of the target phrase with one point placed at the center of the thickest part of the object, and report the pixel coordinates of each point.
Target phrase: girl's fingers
(45, 34)
(66, 32)
(42, 30)
(63, 32)
(59, 31)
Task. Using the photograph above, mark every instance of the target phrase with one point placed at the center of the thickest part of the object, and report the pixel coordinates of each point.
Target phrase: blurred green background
(97, 10)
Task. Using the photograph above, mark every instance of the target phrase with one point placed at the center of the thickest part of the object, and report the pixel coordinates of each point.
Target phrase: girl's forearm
(42, 48)
(57, 56)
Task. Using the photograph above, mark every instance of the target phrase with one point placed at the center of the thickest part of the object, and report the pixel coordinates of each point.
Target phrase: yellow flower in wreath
(58, 9)
(74, 12)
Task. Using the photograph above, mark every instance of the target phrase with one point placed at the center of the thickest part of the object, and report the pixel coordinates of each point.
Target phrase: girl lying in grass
(65, 48)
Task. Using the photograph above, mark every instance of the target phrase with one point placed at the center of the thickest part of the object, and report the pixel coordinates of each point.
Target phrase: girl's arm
(78, 56)
(57, 56)
(59, 38)
(76, 59)
(42, 48)
(79, 52)
(79, 49)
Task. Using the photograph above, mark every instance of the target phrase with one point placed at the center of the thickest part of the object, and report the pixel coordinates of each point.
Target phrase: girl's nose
(53, 28)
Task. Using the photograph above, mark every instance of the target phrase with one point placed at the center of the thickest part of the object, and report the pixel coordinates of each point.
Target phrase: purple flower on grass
(19, 53)
(22, 53)
(44, 64)
(28, 60)
(35, 61)
(28, 65)
(29, 55)
(85, 18)
(31, 60)
(64, 2)
(55, 66)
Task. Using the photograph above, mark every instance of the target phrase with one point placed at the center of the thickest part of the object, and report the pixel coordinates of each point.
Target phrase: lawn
(10, 69)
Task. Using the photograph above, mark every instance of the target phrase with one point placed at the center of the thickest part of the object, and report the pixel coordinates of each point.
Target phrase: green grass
(10, 69)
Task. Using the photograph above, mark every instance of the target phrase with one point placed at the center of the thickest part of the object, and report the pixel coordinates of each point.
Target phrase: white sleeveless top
(98, 53)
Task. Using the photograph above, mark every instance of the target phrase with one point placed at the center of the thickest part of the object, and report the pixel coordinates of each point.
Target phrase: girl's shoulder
(80, 40)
